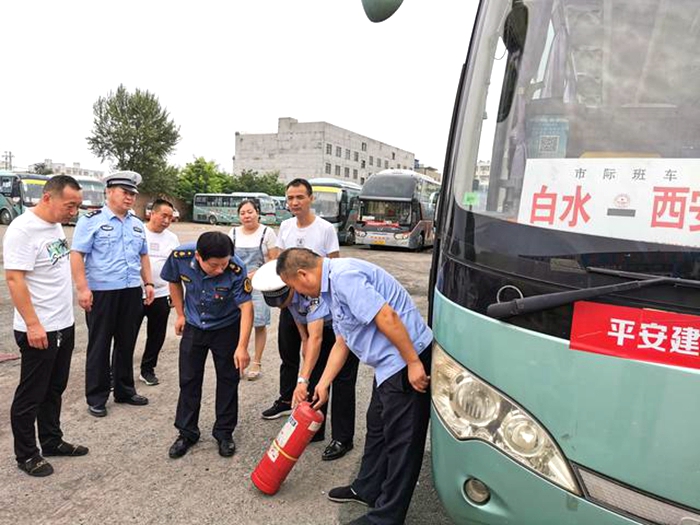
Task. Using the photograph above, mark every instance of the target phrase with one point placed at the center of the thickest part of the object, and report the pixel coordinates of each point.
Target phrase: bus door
(11, 204)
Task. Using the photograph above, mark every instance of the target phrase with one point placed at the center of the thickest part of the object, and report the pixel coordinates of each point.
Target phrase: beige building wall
(316, 149)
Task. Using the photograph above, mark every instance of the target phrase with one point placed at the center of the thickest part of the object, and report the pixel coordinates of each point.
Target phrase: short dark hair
(302, 182)
(56, 184)
(251, 202)
(214, 244)
(293, 259)
(159, 203)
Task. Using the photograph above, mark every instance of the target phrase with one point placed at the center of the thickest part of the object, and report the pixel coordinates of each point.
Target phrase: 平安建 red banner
(634, 333)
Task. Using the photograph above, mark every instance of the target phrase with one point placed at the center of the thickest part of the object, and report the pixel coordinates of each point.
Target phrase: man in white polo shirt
(37, 271)
(161, 243)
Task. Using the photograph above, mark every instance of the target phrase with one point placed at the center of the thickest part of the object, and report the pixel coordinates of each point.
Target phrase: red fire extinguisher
(286, 448)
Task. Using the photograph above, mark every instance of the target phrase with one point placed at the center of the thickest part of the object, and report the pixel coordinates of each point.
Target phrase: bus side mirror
(343, 207)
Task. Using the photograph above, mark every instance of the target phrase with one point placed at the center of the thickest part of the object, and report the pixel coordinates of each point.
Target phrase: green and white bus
(19, 192)
(337, 201)
(222, 208)
(565, 302)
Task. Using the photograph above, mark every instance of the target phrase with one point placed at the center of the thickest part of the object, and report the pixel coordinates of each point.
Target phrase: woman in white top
(255, 244)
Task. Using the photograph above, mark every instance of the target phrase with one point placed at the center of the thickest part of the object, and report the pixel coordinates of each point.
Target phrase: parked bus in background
(222, 208)
(337, 201)
(93, 195)
(397, 208)
(281, 210)
(19, 192)
(564, 300)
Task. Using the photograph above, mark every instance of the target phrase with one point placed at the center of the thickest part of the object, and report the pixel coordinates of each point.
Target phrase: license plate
(378, 241)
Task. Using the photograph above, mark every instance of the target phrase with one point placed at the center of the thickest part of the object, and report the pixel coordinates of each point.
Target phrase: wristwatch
(302, 380)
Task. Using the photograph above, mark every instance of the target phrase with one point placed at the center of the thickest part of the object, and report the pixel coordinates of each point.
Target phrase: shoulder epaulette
(183, 254)
(235, 268)
(92, 213)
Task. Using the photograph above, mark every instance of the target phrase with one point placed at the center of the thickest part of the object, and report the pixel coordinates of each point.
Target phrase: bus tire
(350, 239)
(5, 217)
(421, 243)
(212, 220)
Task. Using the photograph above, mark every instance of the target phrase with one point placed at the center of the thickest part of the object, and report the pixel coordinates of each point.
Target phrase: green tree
(250, 180)
(40, 168)
(133, 132)
(201, 176)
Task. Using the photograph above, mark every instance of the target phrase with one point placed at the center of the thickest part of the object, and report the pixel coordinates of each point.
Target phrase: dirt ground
(128, 478)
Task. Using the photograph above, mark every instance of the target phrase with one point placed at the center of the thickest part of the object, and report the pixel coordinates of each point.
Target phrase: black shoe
(149, 378)
(135, 400)
(345, 495)
(336, 450)
(317, 438)
(65, 449)
(227, 448)
(36, 466)
(278, 409)
(180, 447)
(97, 410)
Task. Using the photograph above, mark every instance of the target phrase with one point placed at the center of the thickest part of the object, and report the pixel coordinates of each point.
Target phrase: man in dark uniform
(109, 261)
(376, 319)
(216, 315)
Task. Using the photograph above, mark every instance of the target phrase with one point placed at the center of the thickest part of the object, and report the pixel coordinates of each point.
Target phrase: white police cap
(127, 179)
(273, 288)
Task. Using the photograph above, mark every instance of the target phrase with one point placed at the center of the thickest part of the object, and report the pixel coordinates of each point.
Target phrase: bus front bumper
(518, 496)
(382, 239)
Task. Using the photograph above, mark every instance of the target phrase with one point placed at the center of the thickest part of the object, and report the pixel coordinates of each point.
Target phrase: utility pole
(8, 160)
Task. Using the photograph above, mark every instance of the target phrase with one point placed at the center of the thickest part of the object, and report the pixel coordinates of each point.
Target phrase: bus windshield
(584, 132)
(388, 212)
(32, 190)
(93, 193)
(326, 204)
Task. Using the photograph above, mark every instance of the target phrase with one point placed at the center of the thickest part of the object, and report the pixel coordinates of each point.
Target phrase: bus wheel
(5, 217)
(212, 220)
(421, 243)
(350, 239)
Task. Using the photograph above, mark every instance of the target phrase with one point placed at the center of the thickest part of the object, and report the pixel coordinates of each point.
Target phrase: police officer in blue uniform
(109, 260)
(216, 315)
(315, 324)
(376, 319)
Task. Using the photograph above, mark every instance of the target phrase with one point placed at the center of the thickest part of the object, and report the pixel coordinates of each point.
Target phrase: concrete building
(316, 149)
(62, 169)
(429, 171)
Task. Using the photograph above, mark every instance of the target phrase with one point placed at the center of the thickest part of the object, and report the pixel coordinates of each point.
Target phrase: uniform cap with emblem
(273, 288)
(129, 180)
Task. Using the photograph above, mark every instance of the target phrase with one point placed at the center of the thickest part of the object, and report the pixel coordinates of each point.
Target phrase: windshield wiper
(552, 300)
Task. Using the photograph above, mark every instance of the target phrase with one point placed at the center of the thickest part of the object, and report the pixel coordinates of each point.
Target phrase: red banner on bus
(634, 333)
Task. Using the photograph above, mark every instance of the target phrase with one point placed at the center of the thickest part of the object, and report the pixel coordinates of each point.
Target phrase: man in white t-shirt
(304, 230)
(37, 271)
(161, 243)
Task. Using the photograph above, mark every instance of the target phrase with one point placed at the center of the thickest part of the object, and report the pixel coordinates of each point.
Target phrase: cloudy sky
(221, 67)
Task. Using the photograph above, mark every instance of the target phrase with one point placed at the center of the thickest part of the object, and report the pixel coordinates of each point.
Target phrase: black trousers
(43, 379)
(397, 424)
(342, 391)
(157, 314)
(289, 345)
(115, 315)
(194, 347)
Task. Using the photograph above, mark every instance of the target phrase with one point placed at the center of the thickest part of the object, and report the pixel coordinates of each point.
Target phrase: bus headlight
(359, 233)
(401, 236)
(473, 409)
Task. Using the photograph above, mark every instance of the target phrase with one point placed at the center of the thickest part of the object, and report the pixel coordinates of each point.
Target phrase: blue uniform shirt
(113, 248)
(306, 310)
(356, 290)
(210, 302)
